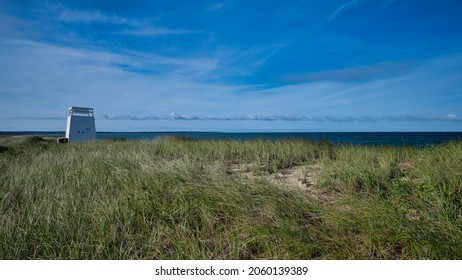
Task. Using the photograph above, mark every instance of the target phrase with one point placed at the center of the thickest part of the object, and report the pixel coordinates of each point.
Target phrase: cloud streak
(288, 117)
(215, 7)
(341, 9)
(84, 16)
(133, 27)
(159, 31)
(354, 74)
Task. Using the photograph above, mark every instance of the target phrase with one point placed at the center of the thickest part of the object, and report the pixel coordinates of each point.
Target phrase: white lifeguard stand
(80, 125)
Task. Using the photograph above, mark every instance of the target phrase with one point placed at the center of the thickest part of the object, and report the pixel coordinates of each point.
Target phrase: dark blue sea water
(356, 138)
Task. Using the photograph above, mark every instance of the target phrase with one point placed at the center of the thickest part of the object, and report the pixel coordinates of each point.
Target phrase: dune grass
(176, 198)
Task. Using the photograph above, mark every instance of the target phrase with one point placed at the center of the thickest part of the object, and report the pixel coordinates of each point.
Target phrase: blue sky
(346, 65)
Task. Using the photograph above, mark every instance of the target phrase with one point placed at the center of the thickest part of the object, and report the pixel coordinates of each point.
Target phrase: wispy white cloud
(131, 26)
(288, 117)
(252, 117)
(245, 62)
(215, 7)
(452, 117)
(85, 16)
(130, 61)
(342, 9)
(64, 73)
(356, 73)
(158, 31)
(411, 118)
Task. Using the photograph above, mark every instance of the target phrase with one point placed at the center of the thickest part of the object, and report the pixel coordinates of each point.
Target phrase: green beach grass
(177, 198)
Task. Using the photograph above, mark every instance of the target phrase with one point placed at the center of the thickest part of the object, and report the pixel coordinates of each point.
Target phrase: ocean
(355, 138)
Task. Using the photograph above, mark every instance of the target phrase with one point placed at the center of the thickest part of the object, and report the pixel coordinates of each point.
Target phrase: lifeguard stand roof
(80, 111)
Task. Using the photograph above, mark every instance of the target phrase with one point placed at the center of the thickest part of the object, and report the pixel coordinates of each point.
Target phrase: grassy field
(176, 198)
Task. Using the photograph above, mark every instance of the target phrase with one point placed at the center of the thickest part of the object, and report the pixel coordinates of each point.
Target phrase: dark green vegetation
(184, 199)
